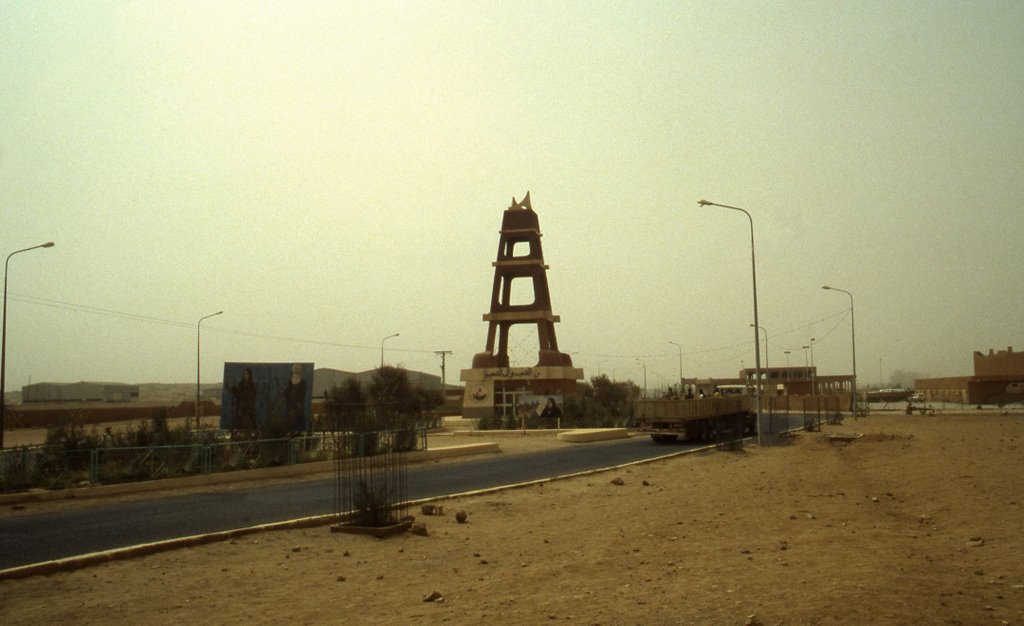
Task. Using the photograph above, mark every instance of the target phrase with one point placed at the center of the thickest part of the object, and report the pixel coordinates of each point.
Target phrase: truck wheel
(664, 438)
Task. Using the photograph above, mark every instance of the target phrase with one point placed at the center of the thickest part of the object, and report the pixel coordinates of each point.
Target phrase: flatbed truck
(696, 419)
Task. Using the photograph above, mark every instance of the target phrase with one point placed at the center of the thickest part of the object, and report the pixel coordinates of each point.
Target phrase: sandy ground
(920, 520)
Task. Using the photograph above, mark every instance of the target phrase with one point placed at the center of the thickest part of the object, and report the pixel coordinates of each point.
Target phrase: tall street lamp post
(767, 379)
(814, 372)
(382, 348)
(198, 327)
(766, 368)
(807, 367)
(757, 342)
(680, 348)
(3, 341)
(853, 336)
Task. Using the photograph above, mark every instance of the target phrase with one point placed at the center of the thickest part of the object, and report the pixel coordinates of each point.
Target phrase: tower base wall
(492, 391)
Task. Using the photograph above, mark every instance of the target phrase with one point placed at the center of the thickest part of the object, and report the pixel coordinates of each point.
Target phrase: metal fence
(52, 468)
(370, 489)
(781, 414)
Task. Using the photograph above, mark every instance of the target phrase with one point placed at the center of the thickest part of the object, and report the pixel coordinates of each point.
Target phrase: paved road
(28, 539)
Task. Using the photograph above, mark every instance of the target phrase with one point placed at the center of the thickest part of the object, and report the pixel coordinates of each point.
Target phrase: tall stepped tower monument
(493, 388)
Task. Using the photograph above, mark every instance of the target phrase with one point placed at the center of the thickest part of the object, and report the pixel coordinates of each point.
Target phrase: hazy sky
(330, 173)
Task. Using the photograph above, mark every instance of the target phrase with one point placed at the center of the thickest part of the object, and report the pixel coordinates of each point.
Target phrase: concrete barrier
(584, 435)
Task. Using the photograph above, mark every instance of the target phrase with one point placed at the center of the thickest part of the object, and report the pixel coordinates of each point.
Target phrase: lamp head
(704, 202)
(825, 287)
(48, 244)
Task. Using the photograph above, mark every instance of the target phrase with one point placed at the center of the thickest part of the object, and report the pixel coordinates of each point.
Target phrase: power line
(842, 315)
(94, 310)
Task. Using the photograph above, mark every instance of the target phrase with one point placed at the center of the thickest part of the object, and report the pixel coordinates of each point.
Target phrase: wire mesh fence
(370, 475)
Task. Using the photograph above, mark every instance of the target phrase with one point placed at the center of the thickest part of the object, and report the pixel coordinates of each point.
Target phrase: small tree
(389, 403)
(398, 405)
(345, 405)
(602, 403)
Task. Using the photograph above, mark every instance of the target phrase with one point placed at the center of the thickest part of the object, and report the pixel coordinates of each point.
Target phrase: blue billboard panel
(275, 397)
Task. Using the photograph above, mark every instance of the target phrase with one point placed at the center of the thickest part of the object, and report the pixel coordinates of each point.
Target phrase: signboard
(531, 407)
(267, 396)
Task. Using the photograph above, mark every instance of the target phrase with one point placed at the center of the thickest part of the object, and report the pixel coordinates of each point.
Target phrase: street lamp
(814, 372)
(767, 376)
(197, 360)
(680, 366)
(767, 379)
(753, 272)
(382, 348)
(807, 368)
(3, 341)
(853, 335)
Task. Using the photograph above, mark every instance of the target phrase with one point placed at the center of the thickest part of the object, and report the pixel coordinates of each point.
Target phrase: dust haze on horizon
(329, 174)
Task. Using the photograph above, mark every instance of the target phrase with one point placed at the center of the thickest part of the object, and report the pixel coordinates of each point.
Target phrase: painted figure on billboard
(551, 408)
(534, 407)
(274, 398)
(243, 393)
(295, 399)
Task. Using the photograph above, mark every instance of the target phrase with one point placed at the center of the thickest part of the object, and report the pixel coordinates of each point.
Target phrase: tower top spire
(524, 205)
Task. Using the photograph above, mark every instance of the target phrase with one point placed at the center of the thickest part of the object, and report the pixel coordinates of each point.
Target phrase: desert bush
(71, 434)
(18, 469)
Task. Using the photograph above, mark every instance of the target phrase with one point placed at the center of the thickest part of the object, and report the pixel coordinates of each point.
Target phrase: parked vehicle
(697, 419)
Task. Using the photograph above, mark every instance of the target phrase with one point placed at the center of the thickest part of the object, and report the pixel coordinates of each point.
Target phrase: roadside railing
(47, 467)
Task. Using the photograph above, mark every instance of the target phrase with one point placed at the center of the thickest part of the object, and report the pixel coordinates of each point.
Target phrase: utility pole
(442, 354)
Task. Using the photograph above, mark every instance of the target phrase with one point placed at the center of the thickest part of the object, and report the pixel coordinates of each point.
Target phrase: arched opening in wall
(520, 291)
(522, 345)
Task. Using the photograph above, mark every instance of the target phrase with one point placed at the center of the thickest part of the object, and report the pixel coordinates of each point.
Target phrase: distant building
(325, 379)
(778, 381)
(79, 392)
(998, 379)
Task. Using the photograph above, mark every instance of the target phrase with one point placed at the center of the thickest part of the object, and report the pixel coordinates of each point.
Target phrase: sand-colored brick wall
(1001, 363)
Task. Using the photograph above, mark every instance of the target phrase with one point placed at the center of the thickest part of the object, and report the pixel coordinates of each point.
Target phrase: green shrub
(389, 403)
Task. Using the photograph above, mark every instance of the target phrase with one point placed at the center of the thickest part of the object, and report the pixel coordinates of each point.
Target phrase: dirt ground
(918, 521)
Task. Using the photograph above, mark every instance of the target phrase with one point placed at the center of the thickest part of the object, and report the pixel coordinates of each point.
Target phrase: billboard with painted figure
(274, 398)
(534, 406)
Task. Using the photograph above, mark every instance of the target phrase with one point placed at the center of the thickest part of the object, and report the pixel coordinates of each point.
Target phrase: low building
(778, 381)
(325, 379)
(998, 379)
(79, 392)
